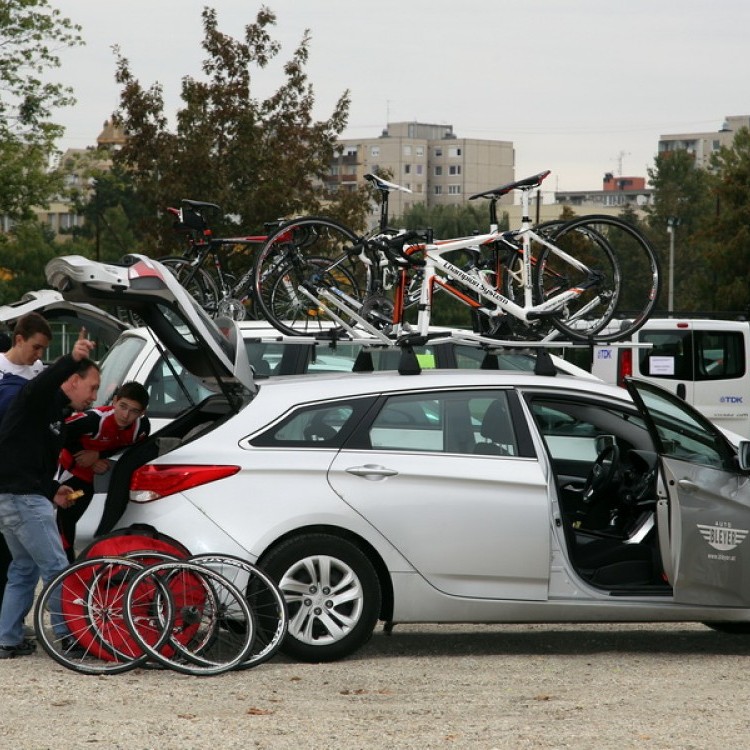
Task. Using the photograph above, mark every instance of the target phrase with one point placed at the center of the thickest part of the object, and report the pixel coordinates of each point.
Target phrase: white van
(703, 361)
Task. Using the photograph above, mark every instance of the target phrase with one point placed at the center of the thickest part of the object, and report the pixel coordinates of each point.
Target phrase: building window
(455, 169)
(407, 168)
(374, 150)
(420, 168)
(438, 171)
(438, 151)
(407, 150)
(419, 151)
(454, 189)
(454, 151)
(438, 189)
(420, 187)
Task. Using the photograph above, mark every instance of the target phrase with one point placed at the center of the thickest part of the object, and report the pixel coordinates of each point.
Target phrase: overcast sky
(581, 87)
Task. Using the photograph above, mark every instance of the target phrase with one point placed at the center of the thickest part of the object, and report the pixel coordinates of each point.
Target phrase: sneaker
(25, 648)
(29, 634)
(70, 647)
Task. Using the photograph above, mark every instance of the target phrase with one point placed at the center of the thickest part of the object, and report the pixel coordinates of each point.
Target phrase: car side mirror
(743, 455)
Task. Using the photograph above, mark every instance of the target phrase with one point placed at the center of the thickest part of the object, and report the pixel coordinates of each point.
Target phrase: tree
(30, 32)
(728, 231)
(23, 256)
(258, 159)
(682, 201)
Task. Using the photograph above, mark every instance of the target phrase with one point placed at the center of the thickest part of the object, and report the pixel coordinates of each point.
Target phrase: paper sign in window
(661, 366)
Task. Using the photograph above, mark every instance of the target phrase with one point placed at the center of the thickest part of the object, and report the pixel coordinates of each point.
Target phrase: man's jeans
(28, 525)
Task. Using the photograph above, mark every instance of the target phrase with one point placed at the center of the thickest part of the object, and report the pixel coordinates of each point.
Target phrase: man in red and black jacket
(91, 437)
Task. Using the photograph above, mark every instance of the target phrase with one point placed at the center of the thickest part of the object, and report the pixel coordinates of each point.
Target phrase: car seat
(497, 430)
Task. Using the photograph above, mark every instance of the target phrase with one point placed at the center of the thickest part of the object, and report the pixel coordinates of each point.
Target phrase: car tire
(332, 592)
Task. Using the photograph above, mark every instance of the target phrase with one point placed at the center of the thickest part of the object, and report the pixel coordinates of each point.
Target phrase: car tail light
(154, 481)
(624, 365)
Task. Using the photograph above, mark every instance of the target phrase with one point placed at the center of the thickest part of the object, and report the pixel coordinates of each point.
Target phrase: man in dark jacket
(19, 362)
(30, 442)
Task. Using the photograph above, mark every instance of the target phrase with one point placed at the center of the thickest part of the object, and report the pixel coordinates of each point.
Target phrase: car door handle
(371, 471)
(687, 485)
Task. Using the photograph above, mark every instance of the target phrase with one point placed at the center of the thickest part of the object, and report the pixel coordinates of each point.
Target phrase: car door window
(474, 422)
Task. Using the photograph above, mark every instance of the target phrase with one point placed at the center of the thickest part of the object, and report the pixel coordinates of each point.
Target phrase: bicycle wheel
(264, 598)
(598, 286)
(197, 639)
(79, 617)
(197, 281)
(300, 239)
(288, 306)
(630, 283)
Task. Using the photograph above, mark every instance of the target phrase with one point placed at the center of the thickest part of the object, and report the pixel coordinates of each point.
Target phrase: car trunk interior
(188, 426)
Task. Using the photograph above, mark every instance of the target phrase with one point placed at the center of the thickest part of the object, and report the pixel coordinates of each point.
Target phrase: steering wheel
(602, 476)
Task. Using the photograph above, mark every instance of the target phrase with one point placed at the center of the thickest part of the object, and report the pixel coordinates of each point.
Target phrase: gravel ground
(678, 686)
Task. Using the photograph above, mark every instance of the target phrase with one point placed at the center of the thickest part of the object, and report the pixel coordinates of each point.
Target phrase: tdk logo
(730, 399)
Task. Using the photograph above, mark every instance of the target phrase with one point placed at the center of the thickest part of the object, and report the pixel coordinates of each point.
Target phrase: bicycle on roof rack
(314, 246)
(221, 293)
(565, 278)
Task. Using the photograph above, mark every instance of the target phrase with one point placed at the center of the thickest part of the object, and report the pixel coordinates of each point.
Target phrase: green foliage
(449, 221)
(258, 159)
(23, 256)
(31, 32)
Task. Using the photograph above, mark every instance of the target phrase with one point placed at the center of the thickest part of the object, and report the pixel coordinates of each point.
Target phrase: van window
(719, 355)
(693, 355)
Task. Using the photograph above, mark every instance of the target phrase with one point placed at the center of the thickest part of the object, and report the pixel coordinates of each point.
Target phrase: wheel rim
(325, 599)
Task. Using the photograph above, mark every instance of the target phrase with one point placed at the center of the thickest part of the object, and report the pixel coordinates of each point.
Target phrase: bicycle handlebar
(393, 247)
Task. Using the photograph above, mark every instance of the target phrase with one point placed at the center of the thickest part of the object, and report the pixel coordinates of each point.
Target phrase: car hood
(212, 350)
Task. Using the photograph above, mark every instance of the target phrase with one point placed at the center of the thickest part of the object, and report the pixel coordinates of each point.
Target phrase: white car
(433, 496)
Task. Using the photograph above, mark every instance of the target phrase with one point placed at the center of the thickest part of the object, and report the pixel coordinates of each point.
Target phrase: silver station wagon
(434, 495)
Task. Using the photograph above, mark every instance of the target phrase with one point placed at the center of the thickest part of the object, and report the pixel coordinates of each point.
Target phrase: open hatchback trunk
(212, 351)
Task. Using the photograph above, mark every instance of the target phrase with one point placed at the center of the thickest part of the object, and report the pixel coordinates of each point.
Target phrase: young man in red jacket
(91, 437)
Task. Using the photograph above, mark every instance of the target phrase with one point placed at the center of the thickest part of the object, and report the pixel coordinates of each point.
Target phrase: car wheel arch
(381, 569)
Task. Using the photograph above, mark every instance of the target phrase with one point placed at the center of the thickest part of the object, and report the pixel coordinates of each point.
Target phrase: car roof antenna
(544, 364)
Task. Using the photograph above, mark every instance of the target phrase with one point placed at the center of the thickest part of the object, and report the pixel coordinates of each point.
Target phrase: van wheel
(332, 593)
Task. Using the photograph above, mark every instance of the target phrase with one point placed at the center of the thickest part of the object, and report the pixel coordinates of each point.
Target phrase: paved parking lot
(567, 686)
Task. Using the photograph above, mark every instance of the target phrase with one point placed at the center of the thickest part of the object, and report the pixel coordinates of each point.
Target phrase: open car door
(213, 351)
(708, 499)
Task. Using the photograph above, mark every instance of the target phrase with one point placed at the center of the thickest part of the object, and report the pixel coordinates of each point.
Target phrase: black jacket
(32, 432)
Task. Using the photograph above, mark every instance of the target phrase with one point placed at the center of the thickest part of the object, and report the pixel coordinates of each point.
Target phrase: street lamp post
(672, 223)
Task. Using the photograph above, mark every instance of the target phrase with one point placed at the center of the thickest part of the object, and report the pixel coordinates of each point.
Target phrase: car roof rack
(409, 362)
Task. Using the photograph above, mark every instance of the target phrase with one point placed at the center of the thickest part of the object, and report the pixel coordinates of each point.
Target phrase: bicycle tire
(582, 317)
(297, 239)
(203, 600)
(638, 277)
(266, 602)
(83, 603)
(290, 310)
(197, 281)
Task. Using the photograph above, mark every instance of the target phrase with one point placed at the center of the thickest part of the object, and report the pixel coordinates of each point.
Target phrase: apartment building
(616, 193)
(702, 145)
(431, 160)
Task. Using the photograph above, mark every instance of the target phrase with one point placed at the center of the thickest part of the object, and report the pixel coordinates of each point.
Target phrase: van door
(708, 499)
(721, 382)
(669, 361)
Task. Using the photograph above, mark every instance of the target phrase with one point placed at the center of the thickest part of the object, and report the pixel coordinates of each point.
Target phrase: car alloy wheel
(332, 593)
